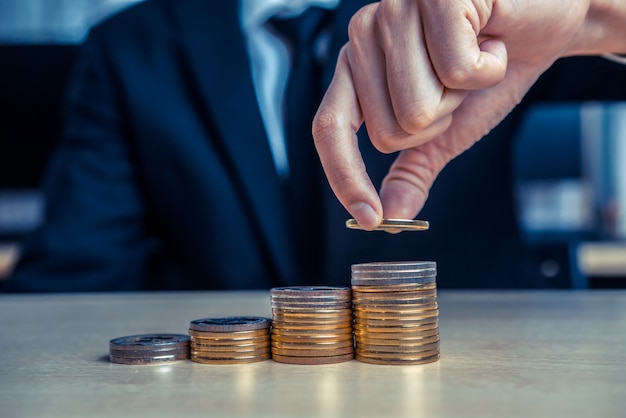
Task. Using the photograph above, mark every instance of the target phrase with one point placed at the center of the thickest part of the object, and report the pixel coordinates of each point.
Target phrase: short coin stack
(395, 312)
(149, 348)
(230, 340)
(312, 325)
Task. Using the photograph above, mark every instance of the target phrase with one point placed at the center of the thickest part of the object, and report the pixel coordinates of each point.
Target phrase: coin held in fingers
(393, 225)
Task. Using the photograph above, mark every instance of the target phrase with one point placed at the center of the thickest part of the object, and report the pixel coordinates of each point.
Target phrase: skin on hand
(429, 79)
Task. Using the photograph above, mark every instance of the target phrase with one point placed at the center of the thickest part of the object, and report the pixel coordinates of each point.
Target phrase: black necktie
(302, 97)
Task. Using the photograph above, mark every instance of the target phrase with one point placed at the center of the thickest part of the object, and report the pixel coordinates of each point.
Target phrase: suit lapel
(340, 33)
(218, 64)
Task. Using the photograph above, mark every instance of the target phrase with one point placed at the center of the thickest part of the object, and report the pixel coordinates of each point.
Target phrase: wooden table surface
(503, 354)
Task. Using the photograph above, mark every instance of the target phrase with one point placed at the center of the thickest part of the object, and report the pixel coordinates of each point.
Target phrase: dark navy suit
(163, 177)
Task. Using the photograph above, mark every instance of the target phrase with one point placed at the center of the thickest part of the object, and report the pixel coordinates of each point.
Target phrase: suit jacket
(163, 177)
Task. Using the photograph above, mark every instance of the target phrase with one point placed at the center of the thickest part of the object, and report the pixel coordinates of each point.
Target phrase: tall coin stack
(396, 312)
(230, 340)
(312, 325)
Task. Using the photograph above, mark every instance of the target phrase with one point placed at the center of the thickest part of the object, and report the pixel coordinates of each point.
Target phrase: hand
(429, 79)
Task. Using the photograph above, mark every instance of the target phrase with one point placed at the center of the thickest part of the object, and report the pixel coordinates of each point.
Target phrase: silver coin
(179, 351)
(230, 324)
(145, 360)
(394, 265)
(394, 274)
(310, 291)
(149, 342)
(311, 306)
(392, 281)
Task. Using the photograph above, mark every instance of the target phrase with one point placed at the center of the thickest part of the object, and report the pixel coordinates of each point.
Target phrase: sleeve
(94, 236)
(620, 59)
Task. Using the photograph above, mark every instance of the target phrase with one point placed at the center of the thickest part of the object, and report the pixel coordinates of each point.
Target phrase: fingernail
(365, 215)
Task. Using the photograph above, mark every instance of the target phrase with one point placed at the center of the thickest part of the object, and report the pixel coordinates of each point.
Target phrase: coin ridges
(230, 340)
(312, 324)
(396, 315)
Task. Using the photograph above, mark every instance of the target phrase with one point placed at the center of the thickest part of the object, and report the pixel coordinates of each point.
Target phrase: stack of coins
(230, 340)
(395, 312)
(312, 325)
(149, 348)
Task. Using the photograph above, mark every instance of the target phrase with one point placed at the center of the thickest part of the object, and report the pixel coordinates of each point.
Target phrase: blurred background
(570, 186)
(38, 40)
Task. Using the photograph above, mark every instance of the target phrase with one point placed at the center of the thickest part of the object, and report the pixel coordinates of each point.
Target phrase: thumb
(405, 188)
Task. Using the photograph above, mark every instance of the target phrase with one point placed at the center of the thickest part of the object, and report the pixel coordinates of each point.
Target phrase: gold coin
(322, 345)
(384, 350)
(393, 225)
(323, 313)
(397, 356)
(390, 311)
(402, 361)
(232, 335)
(406, 287)
(314, 352)
(313, 360)
(230, 348)
(396, 323)
(337, 322)
(210, 353)
(359, 315)
(374, 329)
(374, 342)
(311, 339)
(397, 307)
(392, 335)
(308, 322)
(239, 360)
(340, 333)
(311, 327)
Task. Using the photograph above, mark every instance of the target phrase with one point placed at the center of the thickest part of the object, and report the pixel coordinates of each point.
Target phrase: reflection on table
(554, 353)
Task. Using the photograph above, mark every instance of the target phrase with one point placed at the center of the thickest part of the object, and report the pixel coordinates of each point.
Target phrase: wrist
(603, 30)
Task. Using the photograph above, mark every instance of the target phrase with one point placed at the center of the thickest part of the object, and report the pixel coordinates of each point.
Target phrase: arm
(93, 236)
(468, 65)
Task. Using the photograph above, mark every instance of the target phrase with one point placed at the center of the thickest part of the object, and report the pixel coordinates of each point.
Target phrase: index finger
(335, 125)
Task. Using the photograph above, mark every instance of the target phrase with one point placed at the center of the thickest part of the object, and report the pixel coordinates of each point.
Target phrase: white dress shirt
(620, 59)
(269, 61)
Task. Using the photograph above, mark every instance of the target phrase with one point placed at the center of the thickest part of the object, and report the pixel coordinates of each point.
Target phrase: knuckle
(387, 141)
(389, 12)
(325, 125)
(361, 21)
(417, 117)
(458, 76)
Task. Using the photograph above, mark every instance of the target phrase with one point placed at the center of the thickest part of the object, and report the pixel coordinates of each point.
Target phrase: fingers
(406, 71)
(401, 98)
(460, 60)
(405, 188)
(334, 132)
